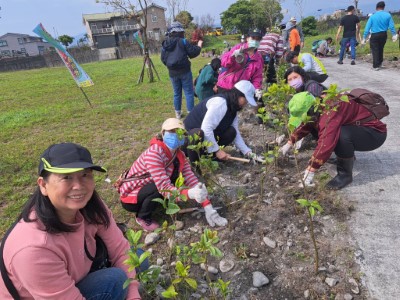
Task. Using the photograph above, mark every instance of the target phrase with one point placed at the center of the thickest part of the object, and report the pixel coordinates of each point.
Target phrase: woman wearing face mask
(297, 78)
(243, 62)
(155, 172)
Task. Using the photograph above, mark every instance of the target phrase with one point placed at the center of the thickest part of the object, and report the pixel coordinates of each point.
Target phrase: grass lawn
(45, 106)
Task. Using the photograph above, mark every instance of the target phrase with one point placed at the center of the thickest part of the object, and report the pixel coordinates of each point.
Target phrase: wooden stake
(239, 159)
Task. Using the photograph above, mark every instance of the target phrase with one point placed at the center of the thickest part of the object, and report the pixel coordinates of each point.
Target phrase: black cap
(255, 33)
(350, 8)
(67, 158)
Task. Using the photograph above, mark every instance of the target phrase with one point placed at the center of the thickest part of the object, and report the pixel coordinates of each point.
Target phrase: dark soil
(275, 214)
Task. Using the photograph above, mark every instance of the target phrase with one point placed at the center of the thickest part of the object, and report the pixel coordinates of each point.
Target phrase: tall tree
(66, 40)
(185, 18)
(266, 13)
(206, 22)
(246, 14)
(130, 12)
(175, 7)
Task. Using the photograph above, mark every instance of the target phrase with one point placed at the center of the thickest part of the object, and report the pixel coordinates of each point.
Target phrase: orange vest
(294, 38)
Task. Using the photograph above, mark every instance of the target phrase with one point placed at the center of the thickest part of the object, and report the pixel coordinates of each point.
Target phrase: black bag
(100, 260)
(371, 101)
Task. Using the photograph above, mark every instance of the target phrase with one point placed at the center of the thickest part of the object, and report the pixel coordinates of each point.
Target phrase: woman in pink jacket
(48, 252)
(243, 62)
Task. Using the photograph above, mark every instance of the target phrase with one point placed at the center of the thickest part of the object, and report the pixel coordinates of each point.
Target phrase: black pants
(377, 43)
(317, 77)
(358, 138)
(223, 139)
(145, 205)
(271, 71)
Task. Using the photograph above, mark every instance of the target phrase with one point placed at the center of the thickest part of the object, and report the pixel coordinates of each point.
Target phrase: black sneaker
(353, 62)
(340, 62)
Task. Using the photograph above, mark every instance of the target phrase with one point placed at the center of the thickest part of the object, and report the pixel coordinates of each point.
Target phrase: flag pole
(87, 99)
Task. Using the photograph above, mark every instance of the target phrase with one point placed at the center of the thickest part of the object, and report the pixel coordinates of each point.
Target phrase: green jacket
(205, 83)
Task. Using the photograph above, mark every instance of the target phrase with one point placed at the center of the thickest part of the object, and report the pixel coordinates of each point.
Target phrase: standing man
(351, 30)
(377, 25)
(292, 24)
(271, 49)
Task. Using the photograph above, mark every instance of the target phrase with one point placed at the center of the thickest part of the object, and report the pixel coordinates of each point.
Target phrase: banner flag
(81, 78)
(138, 37)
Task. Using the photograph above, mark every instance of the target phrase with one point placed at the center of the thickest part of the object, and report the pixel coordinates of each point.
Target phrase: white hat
(293, 19)
(172, 123)
(248, 89)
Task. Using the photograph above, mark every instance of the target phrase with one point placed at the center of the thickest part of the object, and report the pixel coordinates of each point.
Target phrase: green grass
(45, 106)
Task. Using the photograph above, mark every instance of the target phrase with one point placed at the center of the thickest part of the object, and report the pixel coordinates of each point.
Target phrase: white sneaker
(178, 114)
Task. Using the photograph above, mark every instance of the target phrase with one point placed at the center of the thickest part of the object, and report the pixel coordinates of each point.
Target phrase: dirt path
(375, 221)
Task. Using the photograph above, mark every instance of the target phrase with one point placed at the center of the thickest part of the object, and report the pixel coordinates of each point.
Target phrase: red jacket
(328, 126)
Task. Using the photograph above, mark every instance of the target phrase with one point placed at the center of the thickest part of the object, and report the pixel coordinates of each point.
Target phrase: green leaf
(303, 202)
(170, 293)
(180, 268)
(312, 210)
(127, 283)
(161, 201)
(177, 280)
(180, 180)
(192, 283)
(317, 206)
(143, 256)
(172, 209)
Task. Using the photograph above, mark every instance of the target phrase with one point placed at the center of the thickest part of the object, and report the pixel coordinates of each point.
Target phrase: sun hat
(176, 27)
(248, 89)
(172, 123)
(299, 105)
(67, 158)
(293, 19)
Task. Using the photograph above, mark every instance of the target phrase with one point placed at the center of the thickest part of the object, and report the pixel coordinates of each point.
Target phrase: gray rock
(246, 178)
(331, 281)
(159, 291)
(211, 269)
(276, 179)
(255, 255)
(270, 243)
(226, 265)
(347, 297)
(151, 238)
(196, 296)
(243, 297)
(340, 296)
(159, 261)
(259, 279)
(354, 286)
(179, 225)
(171, 243)
(306, 294)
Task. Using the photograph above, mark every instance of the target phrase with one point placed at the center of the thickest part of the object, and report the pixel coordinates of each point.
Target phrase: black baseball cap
(67, 158)
(350, 8)
(255, 33)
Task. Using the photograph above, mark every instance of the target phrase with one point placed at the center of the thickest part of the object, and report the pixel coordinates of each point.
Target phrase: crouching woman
(48, 252)
(154, 173)
(343, 128)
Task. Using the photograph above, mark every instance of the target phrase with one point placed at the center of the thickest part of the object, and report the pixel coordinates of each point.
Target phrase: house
(17, 44)
(109, 30)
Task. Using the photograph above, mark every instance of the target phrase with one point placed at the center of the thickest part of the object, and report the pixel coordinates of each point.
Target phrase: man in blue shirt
(377, 26)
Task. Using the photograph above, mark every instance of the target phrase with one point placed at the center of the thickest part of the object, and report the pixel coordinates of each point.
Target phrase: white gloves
(255, 158)
(298, 144)
(308, 179)
(395, 37)
(198, 193)
(237, 52)
(363, 42)
(259, 94)
(285, 149)
(213, 218)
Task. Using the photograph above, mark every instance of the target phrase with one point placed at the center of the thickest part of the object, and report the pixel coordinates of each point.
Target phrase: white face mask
(253, 44)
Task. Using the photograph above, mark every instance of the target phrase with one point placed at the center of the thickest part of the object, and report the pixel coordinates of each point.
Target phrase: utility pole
(356, 5)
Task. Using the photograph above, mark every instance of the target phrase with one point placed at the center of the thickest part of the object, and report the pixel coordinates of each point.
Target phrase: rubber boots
(344, 174)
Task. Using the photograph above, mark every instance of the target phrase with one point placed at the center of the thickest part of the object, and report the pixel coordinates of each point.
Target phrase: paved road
(375, 224)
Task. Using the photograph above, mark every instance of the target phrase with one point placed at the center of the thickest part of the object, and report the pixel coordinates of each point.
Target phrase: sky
(65, 16)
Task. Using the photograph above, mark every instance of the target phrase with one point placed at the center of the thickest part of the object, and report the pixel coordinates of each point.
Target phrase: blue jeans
(107, 284)
(343, 43)
(185, 82)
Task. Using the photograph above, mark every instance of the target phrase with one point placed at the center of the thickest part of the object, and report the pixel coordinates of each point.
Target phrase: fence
(82, 55)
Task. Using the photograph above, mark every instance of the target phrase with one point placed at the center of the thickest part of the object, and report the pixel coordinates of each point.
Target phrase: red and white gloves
(200, 194)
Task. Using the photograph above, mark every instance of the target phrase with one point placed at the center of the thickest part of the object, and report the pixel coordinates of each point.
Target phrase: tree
(175, 7)
(266, 13)
(309, 26)
(185, 18)
(238, 15)
(130, 11)
(66, 40)
(206, 22)
(244, 15)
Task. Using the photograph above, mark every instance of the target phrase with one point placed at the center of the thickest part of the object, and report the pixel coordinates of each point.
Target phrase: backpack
(315, 45)
(371, 101)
